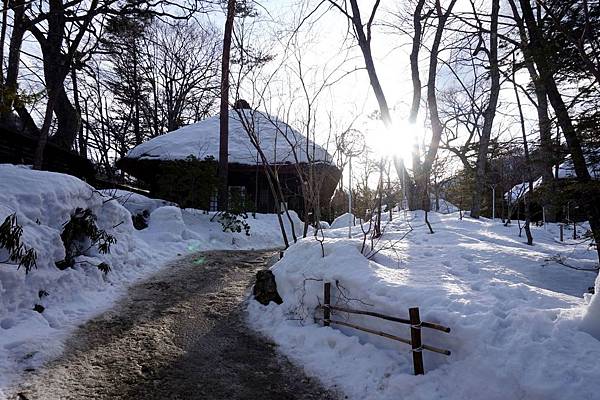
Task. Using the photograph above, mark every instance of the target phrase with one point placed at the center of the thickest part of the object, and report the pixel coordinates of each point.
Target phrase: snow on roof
(276, 138)
(521, 189)
(567, 170)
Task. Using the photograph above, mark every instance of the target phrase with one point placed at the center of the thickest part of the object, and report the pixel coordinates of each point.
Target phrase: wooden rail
(424, 324)
(414, 321)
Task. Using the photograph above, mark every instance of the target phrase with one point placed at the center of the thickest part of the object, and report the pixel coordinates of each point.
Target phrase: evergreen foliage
(234, 219)
(80, 234)
(190, 182)
(10, 239)
(234, 222)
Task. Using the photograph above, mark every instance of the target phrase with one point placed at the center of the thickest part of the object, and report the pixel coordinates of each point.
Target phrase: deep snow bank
(516, 315)
(591, 320)
(43, 203)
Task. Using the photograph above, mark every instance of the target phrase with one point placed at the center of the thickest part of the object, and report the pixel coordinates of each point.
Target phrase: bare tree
(224, 109)
(490, 111)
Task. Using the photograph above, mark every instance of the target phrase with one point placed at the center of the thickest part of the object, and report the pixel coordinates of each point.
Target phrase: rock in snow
(265, 288)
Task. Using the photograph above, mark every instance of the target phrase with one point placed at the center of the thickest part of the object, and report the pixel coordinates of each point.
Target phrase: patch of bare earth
(179, 335)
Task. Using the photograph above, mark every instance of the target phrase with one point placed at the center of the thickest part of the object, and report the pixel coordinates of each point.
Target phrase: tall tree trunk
(223, 194)
(10, 86)
(529, 195)
(136, 95)
(80, 139)
(546, 158)
(3, 40)
(489, 114)
(364, 42)
(57, 66)
(416, 102)
(422, 176)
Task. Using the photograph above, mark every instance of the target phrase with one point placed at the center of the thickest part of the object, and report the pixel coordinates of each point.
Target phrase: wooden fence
(414, 321)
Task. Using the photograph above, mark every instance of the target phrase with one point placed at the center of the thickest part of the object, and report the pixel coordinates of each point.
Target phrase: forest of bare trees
(506, 90)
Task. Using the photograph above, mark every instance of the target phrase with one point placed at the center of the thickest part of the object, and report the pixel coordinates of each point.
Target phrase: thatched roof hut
(181, 165)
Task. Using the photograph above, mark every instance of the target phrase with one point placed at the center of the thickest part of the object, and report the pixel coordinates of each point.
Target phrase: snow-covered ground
(517, 313)
(522, 325)
(43, 203)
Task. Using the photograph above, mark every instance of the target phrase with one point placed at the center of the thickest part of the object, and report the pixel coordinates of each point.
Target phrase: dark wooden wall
(17, 148)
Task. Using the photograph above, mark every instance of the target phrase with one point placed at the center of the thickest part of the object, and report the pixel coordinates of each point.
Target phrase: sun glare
(395, 141)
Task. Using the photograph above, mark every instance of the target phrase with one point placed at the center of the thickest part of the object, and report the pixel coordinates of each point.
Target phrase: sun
(394, 141)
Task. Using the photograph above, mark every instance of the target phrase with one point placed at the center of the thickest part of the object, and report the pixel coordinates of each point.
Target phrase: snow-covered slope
(520, 320)
(43, 203)
(277, 140)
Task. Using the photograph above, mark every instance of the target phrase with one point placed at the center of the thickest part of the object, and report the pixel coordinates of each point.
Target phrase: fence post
(562, 228)
(415, 340)
(574, 230)
(326, 303)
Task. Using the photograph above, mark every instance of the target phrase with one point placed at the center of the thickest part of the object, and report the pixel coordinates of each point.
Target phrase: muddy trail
(178, 335)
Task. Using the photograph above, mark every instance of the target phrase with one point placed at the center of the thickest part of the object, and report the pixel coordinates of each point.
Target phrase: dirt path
(178, 335)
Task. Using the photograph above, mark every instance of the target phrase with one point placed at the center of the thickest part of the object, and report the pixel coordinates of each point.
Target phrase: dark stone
(39, 308)
(140, 221)
(265, 288)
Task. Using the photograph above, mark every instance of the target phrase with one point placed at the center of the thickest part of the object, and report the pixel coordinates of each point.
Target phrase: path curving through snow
(178, 335)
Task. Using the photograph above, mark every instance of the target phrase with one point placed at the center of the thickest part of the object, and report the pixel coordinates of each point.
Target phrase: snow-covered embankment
(43, 203)
(516, 314)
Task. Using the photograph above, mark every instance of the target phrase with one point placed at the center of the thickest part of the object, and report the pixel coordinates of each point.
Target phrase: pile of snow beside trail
(591, 320)
(135, 203)
(343, 221)
(44, 202)
(516, 316)
(174, 230)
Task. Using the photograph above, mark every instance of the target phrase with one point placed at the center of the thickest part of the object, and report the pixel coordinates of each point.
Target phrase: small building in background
(181, 166)
(568, 196)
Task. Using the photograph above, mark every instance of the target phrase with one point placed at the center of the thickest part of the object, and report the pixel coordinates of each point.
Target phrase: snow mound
(591, 320)
(135, 202)
(277, 140)
(343, 221)
(167, 223)
(516, 316)
(43, 203)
